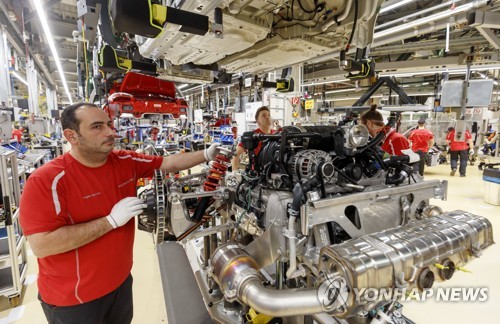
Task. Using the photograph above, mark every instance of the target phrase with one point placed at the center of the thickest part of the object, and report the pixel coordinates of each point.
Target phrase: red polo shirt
(395, 142)
(17, 134)
(420, 139)
(64, 192)
(458, 146)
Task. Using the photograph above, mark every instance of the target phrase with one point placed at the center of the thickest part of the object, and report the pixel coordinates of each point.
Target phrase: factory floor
(463, 193)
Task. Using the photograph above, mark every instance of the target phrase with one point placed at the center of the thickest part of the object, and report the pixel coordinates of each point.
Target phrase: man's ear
(70, 135)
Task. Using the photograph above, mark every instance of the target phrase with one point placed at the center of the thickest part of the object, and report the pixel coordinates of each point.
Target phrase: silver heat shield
(406, 257)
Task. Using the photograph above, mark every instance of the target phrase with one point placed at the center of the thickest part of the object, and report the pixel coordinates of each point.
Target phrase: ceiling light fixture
(20, 78)
(182, 86)
(395, 4)
(43, 20)
(340, 90)
(484, 76)
(427, 20)
(324, 82)
(457, 70)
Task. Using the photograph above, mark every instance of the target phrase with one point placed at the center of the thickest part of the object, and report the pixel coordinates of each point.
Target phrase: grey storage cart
(13, 257)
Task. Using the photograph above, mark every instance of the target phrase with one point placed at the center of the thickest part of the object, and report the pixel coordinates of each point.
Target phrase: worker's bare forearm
(235, 162)
(182, 161)
(68, 237)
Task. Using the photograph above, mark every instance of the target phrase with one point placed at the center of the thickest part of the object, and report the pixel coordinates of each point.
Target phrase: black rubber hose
(345, 176)
(298, 193)
(237, 198)
(396, 179)
(201, 209)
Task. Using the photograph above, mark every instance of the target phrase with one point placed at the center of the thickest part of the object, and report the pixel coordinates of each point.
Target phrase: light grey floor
(463, 193)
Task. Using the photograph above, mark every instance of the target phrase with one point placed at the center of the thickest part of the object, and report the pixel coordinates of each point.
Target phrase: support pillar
(32, 78)
(51, 101)
(5, 84)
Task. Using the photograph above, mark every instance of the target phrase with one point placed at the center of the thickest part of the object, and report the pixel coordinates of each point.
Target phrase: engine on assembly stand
(317, 215)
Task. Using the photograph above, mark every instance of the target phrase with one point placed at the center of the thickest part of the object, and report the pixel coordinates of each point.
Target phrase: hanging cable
(353, 26)
(85, 58)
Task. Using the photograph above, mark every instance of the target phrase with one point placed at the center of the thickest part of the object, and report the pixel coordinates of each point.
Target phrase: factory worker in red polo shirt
(263, 119)
(394, 143)
(77, 212)
(421, 140)
(17, 134)
(459, 149)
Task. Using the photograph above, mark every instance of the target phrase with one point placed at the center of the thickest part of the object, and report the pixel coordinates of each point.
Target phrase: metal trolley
(13, 257)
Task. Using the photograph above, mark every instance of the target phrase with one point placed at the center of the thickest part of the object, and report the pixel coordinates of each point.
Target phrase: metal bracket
(391, 84)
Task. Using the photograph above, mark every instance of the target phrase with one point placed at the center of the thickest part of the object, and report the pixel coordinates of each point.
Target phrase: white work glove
(471, 151)
(414, 157)
(211, 152)
(124, 210)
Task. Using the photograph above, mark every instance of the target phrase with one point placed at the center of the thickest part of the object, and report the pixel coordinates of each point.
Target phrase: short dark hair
(266, 108)
(421, 121)
(374, 115)
(68, 116)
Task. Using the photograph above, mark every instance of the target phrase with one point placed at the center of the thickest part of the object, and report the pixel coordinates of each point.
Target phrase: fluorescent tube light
(484, 76)
(43, 19)
(447, 44)
(182, 86)
(340, 90)
(324, 82)
(456, 70)
(426, 20)
(19, 77)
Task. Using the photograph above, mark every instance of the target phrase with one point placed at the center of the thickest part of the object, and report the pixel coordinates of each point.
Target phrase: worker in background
(490, 144)
(17, 134)
(263, 119)
(77, 212)
(421, 140)
(394, 143)
(234, 129)
(154, 131)
(459, 149)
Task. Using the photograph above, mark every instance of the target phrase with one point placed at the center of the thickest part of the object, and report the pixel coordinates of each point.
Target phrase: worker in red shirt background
(459, 148)
(264, 121)
(154, 131)
(421, 140)
(394, 143)
(17, 134)
(234, 129)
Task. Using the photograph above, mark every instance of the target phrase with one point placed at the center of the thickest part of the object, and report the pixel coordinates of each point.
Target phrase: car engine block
(318, 207)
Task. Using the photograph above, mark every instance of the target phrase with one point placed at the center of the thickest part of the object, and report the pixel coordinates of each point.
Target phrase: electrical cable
(304, 9)
(85, 59)
(353, 26)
